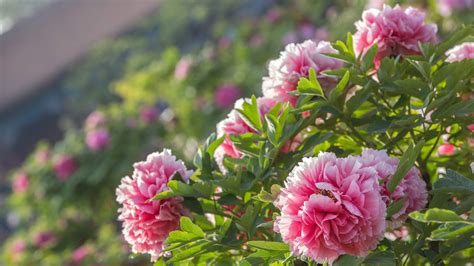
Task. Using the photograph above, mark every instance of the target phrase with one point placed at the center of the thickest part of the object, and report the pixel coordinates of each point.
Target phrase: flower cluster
(147, 222)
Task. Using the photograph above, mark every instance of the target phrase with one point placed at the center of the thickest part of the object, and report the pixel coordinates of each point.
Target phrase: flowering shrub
(362, 185)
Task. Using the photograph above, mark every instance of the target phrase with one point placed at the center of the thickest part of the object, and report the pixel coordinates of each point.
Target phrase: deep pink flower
(80, 253)
(471, 127)
(97, 139)
(44, 239)
(396, 31)
(148, 114)
(294, 63)
(411, 188)
(146, 224)
(331, 206)
(226, 95)
(64, 166)
(20, 183)
(446, 7)
(95, 119)
(446, 149)
(460, 52)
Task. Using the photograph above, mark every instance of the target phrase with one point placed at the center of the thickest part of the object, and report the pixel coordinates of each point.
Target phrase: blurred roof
(39, 47)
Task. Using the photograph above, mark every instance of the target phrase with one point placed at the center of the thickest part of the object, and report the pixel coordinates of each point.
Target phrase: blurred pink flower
(256, 40)
(446, 149)
(224, 42)
(329, 207)
(42, 156)
(64, 166)
(460, 52)
(44, 239)
(18, 246)
(290, 37)
(95, 119)
(396, 31)
(226, 95)
(471, 127)
(146, 222)
(20, 183)
(182, 68)
(80, 253)
(411, 188)
(294, 63)
(97, 139)
(307, 31)
(446, 7)
(148, 114)
(273, 15)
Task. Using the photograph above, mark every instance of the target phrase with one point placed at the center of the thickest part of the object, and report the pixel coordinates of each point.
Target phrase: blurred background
(90, 86)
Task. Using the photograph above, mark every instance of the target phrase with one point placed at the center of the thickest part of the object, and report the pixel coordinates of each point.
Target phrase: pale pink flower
(95, 119)
(289, 37)
(64, 166)
(294, 63)
(307, 31)
(80, 253)
(460, 52)
(146, 222)
(44, 239)
(446, 7)
(329, 207)
(20, 183)
(18, 246)
(226, 95)
(182, 68)
(97, 139)
(148, 114)
(396, 31)
(411, 188)
(446, 149)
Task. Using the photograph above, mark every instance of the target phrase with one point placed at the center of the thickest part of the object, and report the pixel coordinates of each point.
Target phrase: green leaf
(359, 98)
(180, 237)
(310, 86)
(452, 230)
(368, 61)
(406, 162)
(459, 109)
(395, 207)
(251, 114)
(189, 252)
(338, 90)
(380, 258)
(264, 196)
(181, 189)
(347, 260)
(454, 39)
(269, 245)
(436, 215)
(453, 182)
(188, 226)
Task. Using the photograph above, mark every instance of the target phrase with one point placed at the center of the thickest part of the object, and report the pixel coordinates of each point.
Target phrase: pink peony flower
(460, 52)
(411, 188)
(471, 127)
(329, 207)
(226, 95)
(80, 253)
(294, 63)
(95, 119)
(20, 183)
(44, 239)
(446, 7)
(97, 139)
(64, 166)
(182, 68)
(396, 31)
(446, 149)
(146, 224)
(148, 114)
